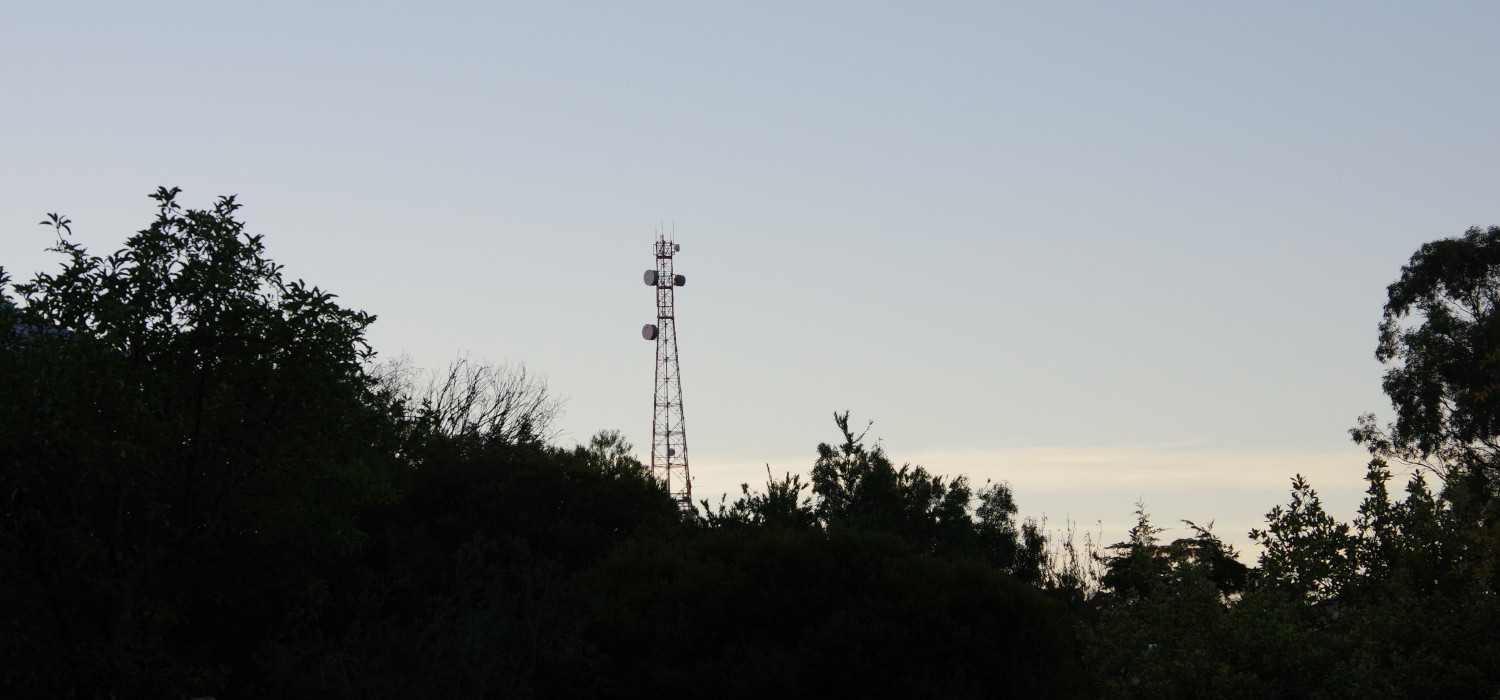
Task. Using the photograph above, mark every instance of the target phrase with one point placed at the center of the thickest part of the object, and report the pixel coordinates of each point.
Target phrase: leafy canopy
(188, 438)
(1440, 335)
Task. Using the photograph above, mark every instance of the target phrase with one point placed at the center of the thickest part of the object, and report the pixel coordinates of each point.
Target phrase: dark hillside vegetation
(812, 614)
(186, 441)
(208, 488)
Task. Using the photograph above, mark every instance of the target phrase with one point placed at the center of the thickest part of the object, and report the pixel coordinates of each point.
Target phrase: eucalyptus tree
(1440, 337)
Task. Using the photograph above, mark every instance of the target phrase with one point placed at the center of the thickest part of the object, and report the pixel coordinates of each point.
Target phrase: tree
(1020, 548)
(1401, 599)
(1440, 335)
(1307, 552)
(1181, 624)
(858, 487)
(1136, 567)
(472, 399)
(1142, 564)
(1398, 603)
(187, 441)
(782, 505)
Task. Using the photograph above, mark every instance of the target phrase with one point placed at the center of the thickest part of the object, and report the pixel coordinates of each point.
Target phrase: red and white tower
(669, 457)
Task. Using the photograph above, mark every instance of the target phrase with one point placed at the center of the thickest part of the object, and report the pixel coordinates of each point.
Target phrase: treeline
(1400, 602)
(210, 489)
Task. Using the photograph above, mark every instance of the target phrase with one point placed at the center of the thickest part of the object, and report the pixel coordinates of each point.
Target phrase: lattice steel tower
(669, 456)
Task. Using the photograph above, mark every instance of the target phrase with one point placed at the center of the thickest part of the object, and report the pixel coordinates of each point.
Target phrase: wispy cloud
(1170, 466)
(1101, 484)
(1180, 466)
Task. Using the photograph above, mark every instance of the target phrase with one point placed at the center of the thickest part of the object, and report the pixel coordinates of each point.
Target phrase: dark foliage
(463, 590)
(858, 488)
(205, 489)
(208, 491)
(1440, 334)
(1400, 603)
(774, 612)
(1386, 607)
(187, 440)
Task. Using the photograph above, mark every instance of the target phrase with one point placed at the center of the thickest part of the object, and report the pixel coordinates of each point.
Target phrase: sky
(1107, 252)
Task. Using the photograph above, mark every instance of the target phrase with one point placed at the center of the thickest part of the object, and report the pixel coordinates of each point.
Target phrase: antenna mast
(669, 458)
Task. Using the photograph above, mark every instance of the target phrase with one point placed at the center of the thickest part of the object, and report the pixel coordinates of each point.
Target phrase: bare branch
(494, 403)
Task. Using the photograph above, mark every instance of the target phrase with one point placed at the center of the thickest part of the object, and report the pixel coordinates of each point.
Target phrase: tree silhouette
(188, 437)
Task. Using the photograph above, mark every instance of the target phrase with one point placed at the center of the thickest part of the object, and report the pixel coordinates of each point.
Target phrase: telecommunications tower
(669, 459)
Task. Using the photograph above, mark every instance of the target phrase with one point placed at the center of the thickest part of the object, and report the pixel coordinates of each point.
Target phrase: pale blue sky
(1103, 250)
